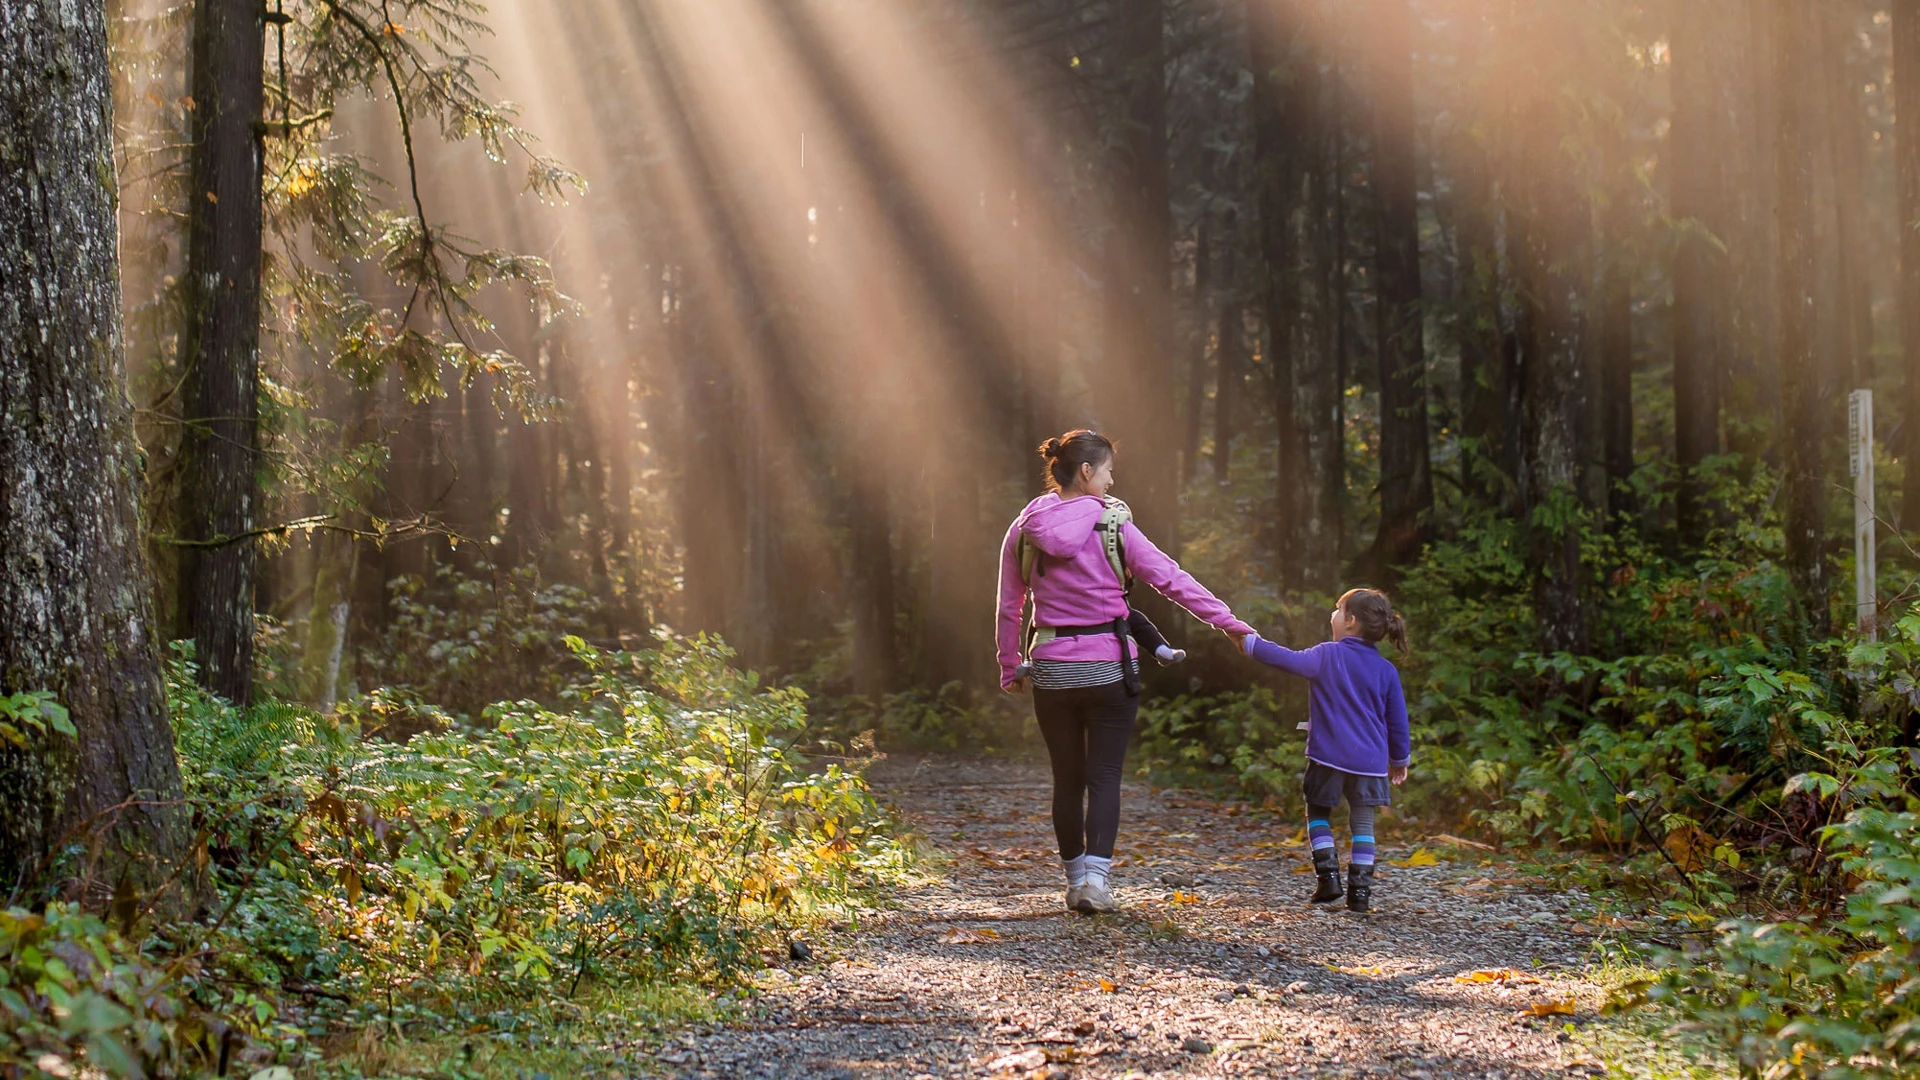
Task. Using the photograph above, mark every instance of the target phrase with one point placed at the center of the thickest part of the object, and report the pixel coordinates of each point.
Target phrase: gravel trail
(1215, 968)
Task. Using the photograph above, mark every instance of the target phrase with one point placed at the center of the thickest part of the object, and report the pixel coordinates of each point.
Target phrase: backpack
(1111, 528)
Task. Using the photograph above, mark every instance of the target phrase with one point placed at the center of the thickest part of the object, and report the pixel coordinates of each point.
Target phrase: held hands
(1239, 641)
(1396, 774)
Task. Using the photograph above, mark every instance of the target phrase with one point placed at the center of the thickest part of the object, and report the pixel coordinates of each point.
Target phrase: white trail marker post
(1860, 464)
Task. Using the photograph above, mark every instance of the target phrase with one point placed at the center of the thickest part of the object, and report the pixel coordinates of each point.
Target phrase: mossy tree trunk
(75, 610)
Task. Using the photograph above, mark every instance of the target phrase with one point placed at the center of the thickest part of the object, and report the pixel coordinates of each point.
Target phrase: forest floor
(1215, 968)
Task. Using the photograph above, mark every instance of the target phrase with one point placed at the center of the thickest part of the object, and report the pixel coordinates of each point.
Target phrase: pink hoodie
(1074, 585)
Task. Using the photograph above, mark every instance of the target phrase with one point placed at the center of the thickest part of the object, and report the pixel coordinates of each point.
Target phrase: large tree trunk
(1406, 480)
(1906, 86)
(1549, 237)
(1697, 194)
(75, 610)
(1273, 36)
(1138, 382)
(221, 343)
(1803, 407)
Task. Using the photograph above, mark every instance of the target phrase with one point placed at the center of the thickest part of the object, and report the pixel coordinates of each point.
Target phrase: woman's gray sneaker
(1074, 893)
(1095, 899)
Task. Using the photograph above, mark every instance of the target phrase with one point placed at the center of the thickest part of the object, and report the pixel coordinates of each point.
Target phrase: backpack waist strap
(1044, 634)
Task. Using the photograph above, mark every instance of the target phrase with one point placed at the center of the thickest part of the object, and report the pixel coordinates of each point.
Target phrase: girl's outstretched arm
(1302, 662)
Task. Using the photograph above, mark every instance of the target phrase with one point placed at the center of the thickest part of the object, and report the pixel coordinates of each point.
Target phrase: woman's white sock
(1099, 868)
(1076, 869)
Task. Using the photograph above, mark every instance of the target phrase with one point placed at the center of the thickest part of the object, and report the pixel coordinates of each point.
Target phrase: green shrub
(654, 825)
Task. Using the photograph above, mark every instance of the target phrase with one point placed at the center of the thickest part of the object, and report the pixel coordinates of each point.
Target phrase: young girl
(1358, 744)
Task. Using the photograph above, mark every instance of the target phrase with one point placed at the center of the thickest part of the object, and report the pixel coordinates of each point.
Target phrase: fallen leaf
(1374, 970)
(1688, 846)
(1179, 897)
(961, 935)
(1024, 1059)
(1563, 1007)
(1419, 857)
(1459, 841)
(1495, 975)
(1108, 986)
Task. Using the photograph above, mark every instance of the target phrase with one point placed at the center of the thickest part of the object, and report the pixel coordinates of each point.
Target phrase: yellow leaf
(1107, 986)
(1179, 897)
(1688, 846)
(1563, 1007)
(1495, 975)
(960, 935)
(1374, 970)
(1419, 857)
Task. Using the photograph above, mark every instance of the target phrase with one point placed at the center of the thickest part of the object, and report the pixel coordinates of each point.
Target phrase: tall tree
(1139, 380)
(1803, 405)
(1406, 478)
(1273, 41)
(1549, 236)
(74, 592)
(1906, 88)
(1697, 195)
(220, 348)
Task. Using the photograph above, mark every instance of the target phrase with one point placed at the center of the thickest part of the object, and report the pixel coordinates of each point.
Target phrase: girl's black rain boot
(1359, 886)
(1326, 863)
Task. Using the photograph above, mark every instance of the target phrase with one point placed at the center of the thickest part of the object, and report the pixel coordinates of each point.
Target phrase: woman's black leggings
(1087, 731)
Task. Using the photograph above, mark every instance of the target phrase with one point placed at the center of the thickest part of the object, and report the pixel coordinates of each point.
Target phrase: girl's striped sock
(1360, 821)
(1320, 827)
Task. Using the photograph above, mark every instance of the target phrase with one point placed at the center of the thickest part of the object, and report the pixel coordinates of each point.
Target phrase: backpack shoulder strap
(1113, 538)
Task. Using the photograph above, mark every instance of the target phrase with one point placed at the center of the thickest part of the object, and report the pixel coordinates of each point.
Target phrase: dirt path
(1215, 968)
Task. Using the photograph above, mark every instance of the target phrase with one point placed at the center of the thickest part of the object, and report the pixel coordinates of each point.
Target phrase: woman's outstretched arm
(1152, 566)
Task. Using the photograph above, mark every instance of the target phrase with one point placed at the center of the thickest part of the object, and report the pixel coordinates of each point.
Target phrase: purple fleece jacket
(1356, 710)
(1074, 585)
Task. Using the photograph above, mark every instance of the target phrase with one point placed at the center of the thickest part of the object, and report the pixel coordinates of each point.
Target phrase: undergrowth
(654, 828)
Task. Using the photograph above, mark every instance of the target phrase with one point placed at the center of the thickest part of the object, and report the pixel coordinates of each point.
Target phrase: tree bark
(1549, 238)
(75, 607)
(1273, 36)
(1406, 479)
(1802, 405)
(1906, 87)
(1698, 196)
(221, 341)
(1138, 382)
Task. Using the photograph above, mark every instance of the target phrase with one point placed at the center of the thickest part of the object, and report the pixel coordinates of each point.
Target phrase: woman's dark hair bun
(1064, 454)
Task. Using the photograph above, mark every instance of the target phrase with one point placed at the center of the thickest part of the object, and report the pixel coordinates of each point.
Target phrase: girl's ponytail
(1397, 633)
(1378, 621)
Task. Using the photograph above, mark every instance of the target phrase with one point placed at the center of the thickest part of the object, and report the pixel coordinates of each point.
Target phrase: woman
(1082, 664)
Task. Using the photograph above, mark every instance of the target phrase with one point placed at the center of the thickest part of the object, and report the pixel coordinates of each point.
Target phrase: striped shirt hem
(1075, 674)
